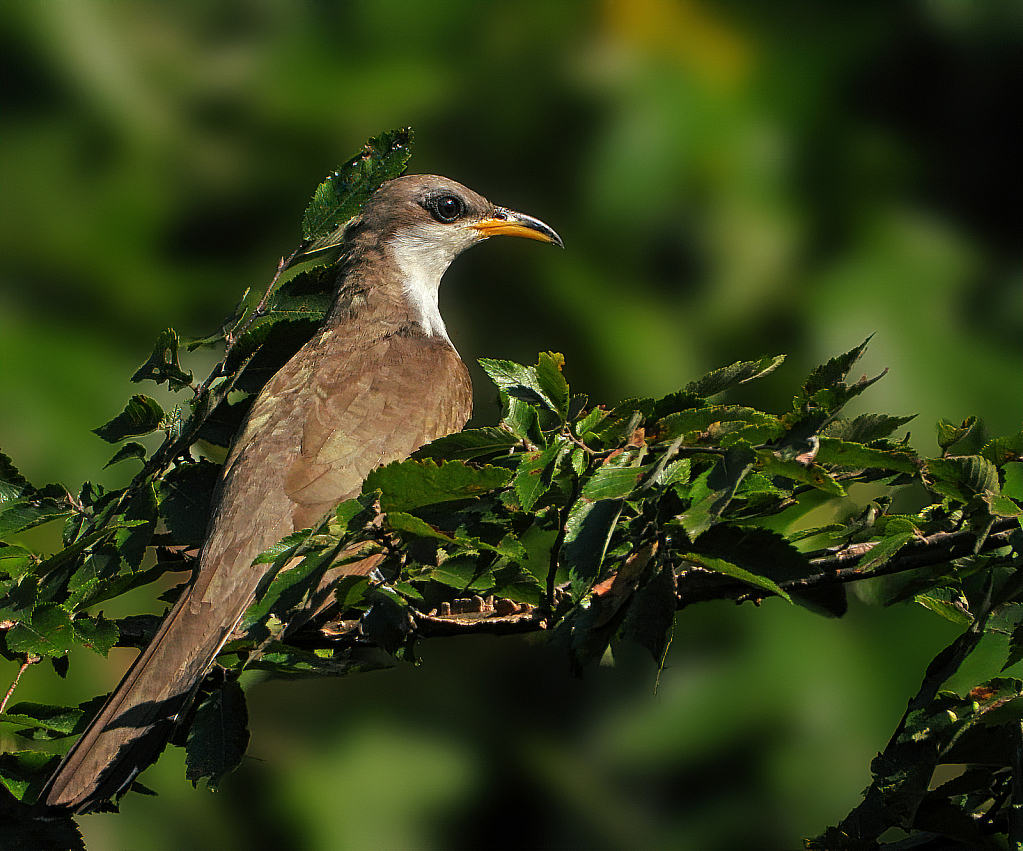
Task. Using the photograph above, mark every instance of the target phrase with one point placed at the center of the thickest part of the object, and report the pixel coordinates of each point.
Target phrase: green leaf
(408, 485)
(96, 633)
(535, 473)
(650, 617)
(514, 583)
(720, 565)
(129, 450)
(49, 633)
(22, 773)
(947, 602)
(469, 444)
(831, 375)
(701, 419)
(615, 479)
(218, 736)
(738, 373)
(714, 489)
(1004, 450)
(15, 561)
(552, 381)
(883, 551)
(342, 194)
(845, 454)
(291, 588)
(962, 477)
(588, 532)
(163, 363)
(865, 428)
(950, 434)
(185, 495)
(525, 382)
(1013, 487)
(43, 721)
(141, 415)
(12, 483)
(17, 515)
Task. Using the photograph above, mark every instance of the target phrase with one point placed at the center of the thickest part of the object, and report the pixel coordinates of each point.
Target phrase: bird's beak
(504, 222)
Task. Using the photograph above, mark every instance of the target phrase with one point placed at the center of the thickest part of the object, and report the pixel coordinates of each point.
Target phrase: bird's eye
(447, 208)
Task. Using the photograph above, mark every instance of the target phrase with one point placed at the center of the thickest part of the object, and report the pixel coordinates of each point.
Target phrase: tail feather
(137, 720)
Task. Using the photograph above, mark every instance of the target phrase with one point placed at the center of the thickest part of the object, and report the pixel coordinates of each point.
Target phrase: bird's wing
(310, 439)
(412, 391)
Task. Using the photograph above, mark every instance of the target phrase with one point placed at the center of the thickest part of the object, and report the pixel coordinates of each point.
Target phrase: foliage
(586, 522)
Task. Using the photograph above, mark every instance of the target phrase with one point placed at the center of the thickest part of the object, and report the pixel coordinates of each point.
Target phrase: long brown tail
(138, 718)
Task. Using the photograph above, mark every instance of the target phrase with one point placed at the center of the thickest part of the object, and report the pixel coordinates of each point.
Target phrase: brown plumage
(377, 381)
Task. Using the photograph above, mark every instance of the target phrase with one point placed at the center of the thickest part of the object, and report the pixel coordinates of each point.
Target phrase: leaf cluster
(589, 523)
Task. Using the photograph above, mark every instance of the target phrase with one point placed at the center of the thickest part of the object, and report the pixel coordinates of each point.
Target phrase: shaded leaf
(48, 633)
(141, 415)
(845, 454)
(535, 473)
(866, 427)
(738, 373)
(408, 485)
(163, 363)
(343, 192)
(218, 736)
(469, 444)
(713, 490)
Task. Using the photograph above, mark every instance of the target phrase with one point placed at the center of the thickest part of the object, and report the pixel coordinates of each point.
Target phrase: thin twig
(29, 660)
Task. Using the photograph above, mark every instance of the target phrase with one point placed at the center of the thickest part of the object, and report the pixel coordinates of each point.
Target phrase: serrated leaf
(535, 473)
(883, 551)
(962, 477)
(12, 483)
(96, 633)
(163, 363)
(650, 617)
(720, 565)
(713, 490)
(865, 428)
(48, 633)
(129, 450)
(184, 495)
(142, 415)
(342, 193)
(614, 481)
(814, 474)
(518, 381)
(43, 721)
(831, 375)
(17, 515)
(469, 444)
(947, 602)
(408, 485)
(845, 454)
(219, 735)
(22, 774)
(1013, 487)
(15, 561)
(588, 532)
(552, 381)
(699, 420)
(512, 582)
(1004, 450)
(949, 434)
(731, 376)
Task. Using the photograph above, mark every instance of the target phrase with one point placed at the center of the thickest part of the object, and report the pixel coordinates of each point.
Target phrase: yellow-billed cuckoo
(379, 379)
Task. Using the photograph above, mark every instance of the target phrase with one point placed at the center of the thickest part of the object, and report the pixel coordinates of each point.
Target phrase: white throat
(423, 260)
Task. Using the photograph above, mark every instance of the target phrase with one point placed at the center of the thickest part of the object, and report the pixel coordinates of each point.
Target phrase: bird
(378, 379)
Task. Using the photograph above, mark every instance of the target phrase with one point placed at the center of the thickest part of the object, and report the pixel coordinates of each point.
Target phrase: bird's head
(424, 221)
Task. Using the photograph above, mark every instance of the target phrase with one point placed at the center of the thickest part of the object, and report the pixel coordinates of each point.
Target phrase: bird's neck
(393, 284)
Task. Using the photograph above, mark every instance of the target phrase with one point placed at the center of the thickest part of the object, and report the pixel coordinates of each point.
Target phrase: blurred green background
(730, 179)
